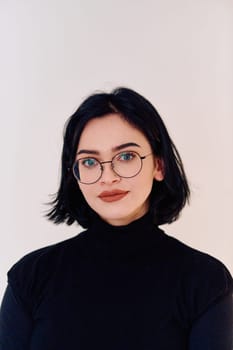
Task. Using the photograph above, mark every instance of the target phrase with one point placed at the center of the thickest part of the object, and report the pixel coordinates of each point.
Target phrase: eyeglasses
(125, 164)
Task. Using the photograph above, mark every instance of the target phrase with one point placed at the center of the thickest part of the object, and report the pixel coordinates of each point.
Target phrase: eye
(126, 156)
(88, 162)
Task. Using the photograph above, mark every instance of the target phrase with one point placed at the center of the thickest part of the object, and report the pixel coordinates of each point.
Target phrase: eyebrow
(114, 149)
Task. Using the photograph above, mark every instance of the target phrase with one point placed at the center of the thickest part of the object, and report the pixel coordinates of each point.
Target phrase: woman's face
(103, 138)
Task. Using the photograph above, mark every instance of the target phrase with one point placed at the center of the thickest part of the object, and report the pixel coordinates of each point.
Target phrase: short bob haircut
(167, 197)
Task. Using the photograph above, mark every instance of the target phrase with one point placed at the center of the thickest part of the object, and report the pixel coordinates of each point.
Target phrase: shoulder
(194, 260)
(198, 266)
(45, 255)
(32, 272)
(203, 279)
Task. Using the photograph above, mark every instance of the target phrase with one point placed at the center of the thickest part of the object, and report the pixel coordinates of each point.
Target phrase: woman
(123, 283)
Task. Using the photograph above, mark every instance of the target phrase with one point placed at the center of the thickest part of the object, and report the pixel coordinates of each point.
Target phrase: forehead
(107, 132)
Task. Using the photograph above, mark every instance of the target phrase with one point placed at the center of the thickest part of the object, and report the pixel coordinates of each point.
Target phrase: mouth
(112, 196)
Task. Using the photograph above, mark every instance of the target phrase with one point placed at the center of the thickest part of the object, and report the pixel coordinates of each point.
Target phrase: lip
(112, 196)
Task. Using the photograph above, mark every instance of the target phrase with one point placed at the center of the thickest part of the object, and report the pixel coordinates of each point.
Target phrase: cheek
(141, 185)
(145, 178)
(87, 191)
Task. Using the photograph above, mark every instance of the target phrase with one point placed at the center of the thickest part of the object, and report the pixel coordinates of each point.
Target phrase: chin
(121, 217)
(114, 215)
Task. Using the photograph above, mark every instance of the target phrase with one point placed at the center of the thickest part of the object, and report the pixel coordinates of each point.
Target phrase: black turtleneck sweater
(118, 288)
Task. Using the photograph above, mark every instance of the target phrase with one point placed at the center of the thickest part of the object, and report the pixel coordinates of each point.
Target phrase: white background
(54, 53)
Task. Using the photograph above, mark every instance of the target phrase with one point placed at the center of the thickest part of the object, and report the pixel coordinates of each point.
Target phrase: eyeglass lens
(125, 164)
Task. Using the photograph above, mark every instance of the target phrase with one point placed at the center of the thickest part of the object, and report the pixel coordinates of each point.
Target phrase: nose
(108, 175)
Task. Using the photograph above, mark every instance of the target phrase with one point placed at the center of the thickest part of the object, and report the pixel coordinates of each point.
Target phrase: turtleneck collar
(135, 239)
(136, 229)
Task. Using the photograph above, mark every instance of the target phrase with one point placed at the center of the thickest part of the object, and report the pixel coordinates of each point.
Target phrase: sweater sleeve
(15, 323)
(29, 280)
(26, 281)
(204, 282)
(214, 329)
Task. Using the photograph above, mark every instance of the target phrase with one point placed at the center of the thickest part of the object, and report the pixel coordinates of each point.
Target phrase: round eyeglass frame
(112, 167)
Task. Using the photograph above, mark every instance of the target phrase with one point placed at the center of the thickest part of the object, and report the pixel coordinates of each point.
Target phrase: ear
(159, 169)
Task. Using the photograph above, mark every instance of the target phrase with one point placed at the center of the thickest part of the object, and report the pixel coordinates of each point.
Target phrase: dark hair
(167, 198)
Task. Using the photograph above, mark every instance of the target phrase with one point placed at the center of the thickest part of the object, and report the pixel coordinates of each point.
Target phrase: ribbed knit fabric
(118, 288)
